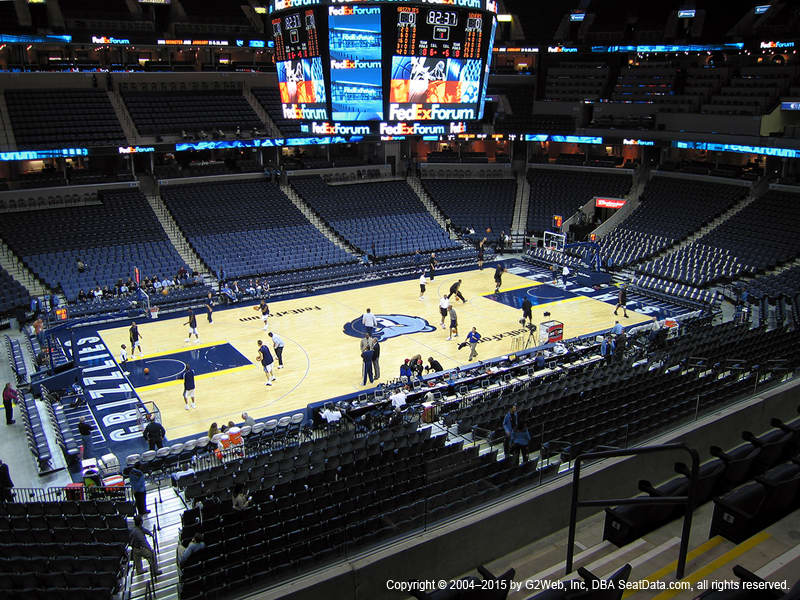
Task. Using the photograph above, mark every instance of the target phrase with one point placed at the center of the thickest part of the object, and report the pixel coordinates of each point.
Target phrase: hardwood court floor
(321, 360)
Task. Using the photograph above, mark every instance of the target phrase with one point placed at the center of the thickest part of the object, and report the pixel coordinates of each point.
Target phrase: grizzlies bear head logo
(389, 326)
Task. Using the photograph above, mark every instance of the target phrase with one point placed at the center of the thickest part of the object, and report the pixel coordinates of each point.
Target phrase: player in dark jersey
(135, 336)
(622, 300)
(432, 265)
(264, 313)
(456, 291)
(498, 277)
(266, 360)
(192, 323)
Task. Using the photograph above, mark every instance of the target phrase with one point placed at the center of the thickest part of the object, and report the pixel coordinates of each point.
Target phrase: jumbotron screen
(383, 61)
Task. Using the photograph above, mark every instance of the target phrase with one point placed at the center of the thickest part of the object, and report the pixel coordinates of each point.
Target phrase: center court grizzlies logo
(390, 326)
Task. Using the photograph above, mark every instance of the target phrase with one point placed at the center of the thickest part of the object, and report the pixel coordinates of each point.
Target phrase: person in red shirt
(10, 396)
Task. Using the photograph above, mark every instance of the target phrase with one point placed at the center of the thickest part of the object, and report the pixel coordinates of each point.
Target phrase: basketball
(146, 371)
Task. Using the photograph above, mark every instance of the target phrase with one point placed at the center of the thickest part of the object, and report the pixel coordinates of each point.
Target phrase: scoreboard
(383, 60)
(435, 32)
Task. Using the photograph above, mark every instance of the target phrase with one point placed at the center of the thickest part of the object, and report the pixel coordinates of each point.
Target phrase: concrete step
(316, 221)
(416, 185)
(175, 236)
(14, 266)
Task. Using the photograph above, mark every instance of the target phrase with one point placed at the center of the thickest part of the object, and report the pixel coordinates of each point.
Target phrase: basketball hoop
(154, 312)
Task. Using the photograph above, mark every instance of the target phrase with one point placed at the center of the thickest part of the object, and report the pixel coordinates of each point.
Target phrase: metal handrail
(688, 500)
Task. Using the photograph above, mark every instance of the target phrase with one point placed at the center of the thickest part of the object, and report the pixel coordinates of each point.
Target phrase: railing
(63, 494)
(687, 500)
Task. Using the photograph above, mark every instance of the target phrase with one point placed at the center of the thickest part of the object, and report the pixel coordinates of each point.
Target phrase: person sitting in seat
(240, 498)
(195, 546)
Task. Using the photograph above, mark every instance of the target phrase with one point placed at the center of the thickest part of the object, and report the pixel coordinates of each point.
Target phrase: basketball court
(322, 335)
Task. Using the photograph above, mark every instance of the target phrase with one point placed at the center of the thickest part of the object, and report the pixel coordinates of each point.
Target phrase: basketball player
(444, 305)
(266, 360)
(264, 312)
(498, 277)
(135, 336)
(188, 387)
(456, 291)
(481, 245)
(422, 283)
(622, 301)
(527, 311)
(453, 324)
(432, 265)
(192, 323)
(123, 358)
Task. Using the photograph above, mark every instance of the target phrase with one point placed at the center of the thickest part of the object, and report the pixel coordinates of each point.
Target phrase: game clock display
(439, 33)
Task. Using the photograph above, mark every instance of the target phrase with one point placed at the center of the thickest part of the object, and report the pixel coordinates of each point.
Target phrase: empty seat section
(63, 118)
(249, 228)
(172, 112)
(481, 204)
(388, 215)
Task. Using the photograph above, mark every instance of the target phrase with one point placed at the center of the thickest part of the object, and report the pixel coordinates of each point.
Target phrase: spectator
(405, 370)
(196, 545)
(140, 548)
(81, 266)
(6, 485)
(10, 397)
(398, 399)
(86, 437)
(212, 431)
(139, 485)
(82, 296)
(154, 433)
(248, 420)
(510, 424)
(520, 439)
(240, 499)
(330, 413)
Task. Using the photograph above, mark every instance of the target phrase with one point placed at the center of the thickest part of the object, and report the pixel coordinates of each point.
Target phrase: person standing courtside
(278, 345)
(192, 323)
(266, 360)
(473, 337)
(135, 336)
(376, 354)
(154, 433)
(366, 356)
(369, 322)
(188, 387)
(432, 265)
